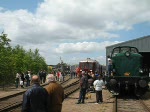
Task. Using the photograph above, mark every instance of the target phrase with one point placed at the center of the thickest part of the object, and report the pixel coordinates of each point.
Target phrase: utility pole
(61, 64)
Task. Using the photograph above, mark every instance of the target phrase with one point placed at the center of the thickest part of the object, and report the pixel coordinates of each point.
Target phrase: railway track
(22, 91)
(131, 104)
(10, 103)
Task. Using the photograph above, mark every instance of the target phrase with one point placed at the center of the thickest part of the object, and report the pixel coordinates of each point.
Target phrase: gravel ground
(69, 104)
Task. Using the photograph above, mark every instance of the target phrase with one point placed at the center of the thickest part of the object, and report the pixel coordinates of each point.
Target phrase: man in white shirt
(109, 66)
(98, 88)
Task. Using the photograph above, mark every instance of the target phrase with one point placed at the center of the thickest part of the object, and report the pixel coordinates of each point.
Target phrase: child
(21, 84)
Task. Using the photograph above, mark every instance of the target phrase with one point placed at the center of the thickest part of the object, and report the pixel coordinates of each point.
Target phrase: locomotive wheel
(140, 91)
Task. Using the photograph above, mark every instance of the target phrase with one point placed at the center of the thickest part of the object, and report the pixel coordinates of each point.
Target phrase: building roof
(141, 43)
(88, 60)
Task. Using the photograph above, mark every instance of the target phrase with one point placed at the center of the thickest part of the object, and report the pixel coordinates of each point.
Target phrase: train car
(127, 73)
(89, 65)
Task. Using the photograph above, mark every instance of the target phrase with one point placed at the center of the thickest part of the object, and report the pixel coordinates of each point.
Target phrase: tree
(17, 60)
(5, 60)
(38, 62)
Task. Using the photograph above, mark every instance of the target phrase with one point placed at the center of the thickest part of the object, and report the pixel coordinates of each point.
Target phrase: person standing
(29, 73)
(90, 82)
(58, 75)
(17, 80)
(71, 75)
(21, 83)
(41, 75)
(44, 76)
(83, 87)
(96, 75)
(98, 88)
(27, 79)
(22, 77)
(109, 66)
(55, 94)
(35, 98)
(63, 75)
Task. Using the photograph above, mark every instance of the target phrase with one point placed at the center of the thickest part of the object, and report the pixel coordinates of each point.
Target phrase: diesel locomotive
(127, 73)
(91, 67)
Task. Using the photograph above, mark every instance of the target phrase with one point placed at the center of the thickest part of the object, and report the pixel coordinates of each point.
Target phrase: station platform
(10, 91)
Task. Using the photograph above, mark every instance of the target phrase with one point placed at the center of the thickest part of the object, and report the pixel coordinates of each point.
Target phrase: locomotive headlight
(127, 54)
(140, 70)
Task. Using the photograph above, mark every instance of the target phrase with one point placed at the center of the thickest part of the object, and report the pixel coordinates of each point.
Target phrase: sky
(73, 30)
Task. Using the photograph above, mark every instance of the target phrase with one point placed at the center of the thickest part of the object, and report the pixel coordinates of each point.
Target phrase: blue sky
(139, 30)
(30, 5)
(73, 29)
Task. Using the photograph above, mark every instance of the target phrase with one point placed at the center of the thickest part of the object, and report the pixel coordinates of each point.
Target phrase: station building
(142, 44)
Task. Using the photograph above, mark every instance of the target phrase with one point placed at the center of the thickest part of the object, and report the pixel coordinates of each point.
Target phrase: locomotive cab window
(123, 50)
(115, 51)
(133, 50)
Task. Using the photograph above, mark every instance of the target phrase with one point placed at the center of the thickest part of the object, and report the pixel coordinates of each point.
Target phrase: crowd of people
(88, 80)
(59, 76)
(37, 98)
(23, 79)
(50, 98)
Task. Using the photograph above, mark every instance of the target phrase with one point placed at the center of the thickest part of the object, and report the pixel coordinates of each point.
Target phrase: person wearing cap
(83, 87)
(55, 94)
(35, 98)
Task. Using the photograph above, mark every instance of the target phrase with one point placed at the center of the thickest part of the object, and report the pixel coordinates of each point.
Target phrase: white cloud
(68, 27)
(97, 14)
(83, 47)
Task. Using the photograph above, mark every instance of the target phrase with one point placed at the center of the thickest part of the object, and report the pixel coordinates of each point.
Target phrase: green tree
(18, 54)
(38, 62)
(17, 60)
(5, 60)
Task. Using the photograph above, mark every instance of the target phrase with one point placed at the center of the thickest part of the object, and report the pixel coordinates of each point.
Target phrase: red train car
(89, 65)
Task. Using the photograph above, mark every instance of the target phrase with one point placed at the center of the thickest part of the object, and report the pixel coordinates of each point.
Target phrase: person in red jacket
(58, 75)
